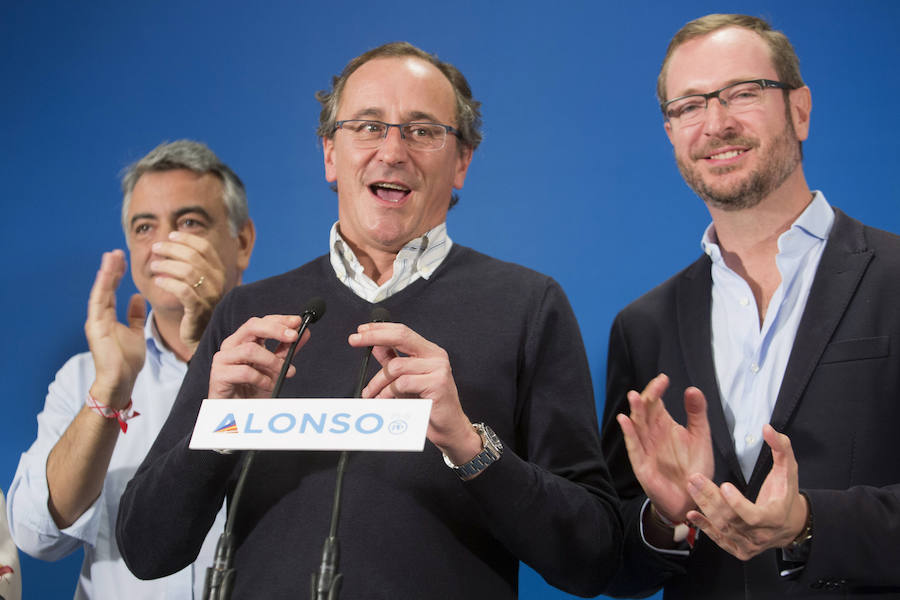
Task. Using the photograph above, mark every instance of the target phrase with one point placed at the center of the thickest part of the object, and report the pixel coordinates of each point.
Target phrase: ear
(801, 106)
(246, 238)
(463, 159)
(328, 153)
(668, 127)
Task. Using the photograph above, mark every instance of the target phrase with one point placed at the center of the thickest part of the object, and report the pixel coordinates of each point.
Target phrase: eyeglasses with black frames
(737, 97)
(416, 135)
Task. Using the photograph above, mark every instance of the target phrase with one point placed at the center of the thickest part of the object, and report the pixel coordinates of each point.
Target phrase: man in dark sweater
(514, 419)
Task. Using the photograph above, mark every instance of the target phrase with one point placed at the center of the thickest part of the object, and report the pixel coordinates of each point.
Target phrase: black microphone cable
(326, 584)
(219, 580)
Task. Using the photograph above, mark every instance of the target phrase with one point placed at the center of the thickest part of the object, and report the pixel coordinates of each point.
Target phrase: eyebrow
(698, 92)
(184, 210)
(415, 115)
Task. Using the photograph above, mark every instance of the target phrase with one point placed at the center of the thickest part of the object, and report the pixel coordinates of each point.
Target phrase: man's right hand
(664, 454)
(117, 349)
(243, 367)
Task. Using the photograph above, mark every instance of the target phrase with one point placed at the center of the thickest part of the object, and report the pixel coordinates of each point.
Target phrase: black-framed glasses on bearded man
(736, 97)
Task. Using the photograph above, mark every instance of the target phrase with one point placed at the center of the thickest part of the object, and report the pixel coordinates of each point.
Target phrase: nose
(161, 232)
(717, 118)
(393, 149)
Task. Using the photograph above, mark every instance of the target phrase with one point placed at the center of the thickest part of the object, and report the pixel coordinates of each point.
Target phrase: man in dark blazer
(762, 459)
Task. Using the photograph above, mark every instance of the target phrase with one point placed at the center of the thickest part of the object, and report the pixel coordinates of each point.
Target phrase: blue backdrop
(575, 177)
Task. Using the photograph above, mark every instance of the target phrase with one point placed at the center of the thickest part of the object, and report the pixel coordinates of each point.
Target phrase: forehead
(716, 59)
(165, 193)
(398, 88)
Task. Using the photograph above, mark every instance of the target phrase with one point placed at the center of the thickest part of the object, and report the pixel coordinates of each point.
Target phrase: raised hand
(193, 272)
(117, 349)
(744, 528)
(664, 454)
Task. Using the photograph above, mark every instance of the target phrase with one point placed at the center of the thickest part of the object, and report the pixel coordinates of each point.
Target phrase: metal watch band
(492, 449)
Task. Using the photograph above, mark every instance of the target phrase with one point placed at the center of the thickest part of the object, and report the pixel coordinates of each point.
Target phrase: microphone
(220, 577)
(326, 584)
(312, 312)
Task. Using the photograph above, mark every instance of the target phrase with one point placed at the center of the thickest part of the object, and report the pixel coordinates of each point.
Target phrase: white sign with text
(312, 424)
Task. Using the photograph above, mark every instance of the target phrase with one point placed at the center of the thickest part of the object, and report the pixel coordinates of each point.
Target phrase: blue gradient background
(575, 177)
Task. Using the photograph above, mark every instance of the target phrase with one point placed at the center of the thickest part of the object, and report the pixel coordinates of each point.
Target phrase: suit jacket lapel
(694, 305)
(841, 268)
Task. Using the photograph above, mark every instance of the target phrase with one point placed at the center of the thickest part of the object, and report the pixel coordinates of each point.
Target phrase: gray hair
(196, 157)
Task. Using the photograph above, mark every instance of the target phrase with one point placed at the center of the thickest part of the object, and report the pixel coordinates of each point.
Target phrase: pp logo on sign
(397, 426)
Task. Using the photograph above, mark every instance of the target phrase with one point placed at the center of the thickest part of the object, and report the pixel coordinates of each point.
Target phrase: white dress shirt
(10, 572)
(417, 259)
(750, 359)
(103, 573)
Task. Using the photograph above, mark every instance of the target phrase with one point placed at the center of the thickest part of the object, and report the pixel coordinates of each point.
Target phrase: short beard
(780, 161)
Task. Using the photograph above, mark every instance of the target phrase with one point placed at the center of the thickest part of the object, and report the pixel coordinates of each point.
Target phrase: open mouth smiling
(726, 155)
(389, 192)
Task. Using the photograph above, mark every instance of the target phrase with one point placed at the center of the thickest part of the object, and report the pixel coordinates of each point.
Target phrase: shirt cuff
(683, 549)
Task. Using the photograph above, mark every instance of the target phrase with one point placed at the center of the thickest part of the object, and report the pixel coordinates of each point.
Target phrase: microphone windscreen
(380, 315)
(315, 308)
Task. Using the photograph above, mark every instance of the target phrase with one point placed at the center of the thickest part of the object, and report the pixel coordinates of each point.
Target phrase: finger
(282, 349)
(636, 453)
(394, 335)
(695, 407)
(281, 328)
(782, 451)
(383, 354)
(656, 388)
(699, 520)
(409, 386)
(743, 508)
(379, 382)
(110, 272)
(708, 498)
(228, 380)
(137, 312)
(189, 248)
(435, 372)
(252, 355)
(102, 299)
(182, 279)
(650, 407)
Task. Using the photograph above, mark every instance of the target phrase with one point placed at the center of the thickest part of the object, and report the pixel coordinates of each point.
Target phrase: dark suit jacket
(839, 402)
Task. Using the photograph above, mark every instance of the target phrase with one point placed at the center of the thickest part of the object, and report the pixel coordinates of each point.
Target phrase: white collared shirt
(103, 572)
(417, 259)
(750, 359)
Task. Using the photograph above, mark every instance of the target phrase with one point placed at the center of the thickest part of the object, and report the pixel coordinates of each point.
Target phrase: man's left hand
(743, 528)
(423, 371)
(193, 272)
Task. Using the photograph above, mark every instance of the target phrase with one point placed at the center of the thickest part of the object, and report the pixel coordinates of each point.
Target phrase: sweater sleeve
(552, 504)
(171, 502)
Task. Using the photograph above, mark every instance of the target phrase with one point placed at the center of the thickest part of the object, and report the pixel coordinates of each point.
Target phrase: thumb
(695, 407)
(137, 312)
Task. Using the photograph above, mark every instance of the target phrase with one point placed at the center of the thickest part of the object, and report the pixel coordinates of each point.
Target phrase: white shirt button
(749, 439)
(744, 301)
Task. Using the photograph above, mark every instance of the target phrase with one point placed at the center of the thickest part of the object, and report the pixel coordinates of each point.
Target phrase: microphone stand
(326, 583)
(219, 580)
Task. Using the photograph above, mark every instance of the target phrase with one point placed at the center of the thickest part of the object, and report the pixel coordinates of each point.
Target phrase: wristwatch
(492, 448)
(798, 550)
